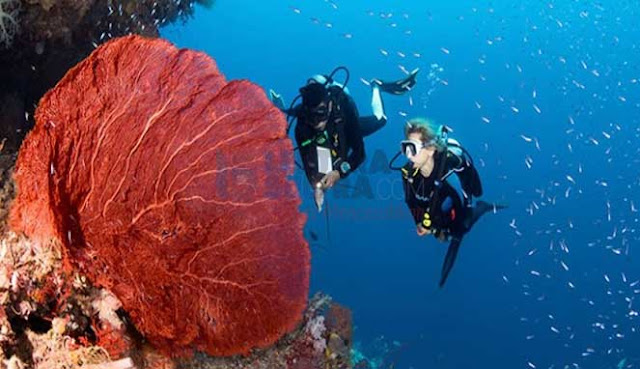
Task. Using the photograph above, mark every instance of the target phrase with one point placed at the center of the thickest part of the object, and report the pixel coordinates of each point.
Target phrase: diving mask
(411, 147)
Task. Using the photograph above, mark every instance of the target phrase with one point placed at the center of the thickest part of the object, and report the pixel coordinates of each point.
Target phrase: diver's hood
(313, 94)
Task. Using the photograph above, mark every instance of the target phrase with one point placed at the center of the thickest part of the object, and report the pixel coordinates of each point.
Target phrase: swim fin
(449, 260)
(481, 208)
(398, 87)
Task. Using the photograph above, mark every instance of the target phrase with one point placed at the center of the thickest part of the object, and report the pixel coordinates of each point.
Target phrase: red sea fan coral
(168, 185)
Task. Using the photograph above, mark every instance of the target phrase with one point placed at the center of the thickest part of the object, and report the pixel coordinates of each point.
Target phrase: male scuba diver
(329, 131)
(435, 204)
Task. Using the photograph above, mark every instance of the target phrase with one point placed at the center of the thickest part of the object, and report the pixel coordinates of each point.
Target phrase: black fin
(398, 87)
(480, 209)
(449, 260)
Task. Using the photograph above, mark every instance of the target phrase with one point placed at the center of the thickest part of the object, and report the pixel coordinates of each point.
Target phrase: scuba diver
(329, 131)
(434, 203)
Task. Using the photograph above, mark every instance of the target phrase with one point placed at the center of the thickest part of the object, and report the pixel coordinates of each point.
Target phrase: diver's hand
(441, 236)
(276, 99)
(422, 231)
(330, 179)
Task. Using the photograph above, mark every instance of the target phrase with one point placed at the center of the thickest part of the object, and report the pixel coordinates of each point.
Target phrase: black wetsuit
(450, 216)
(343, 135)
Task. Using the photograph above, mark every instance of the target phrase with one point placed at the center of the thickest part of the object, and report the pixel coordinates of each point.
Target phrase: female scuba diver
(435, 205)
(329, 131)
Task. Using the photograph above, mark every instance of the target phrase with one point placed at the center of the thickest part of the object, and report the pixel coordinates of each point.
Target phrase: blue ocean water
(544, 96)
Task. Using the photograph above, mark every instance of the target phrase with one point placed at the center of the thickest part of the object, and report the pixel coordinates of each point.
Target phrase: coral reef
(39, 337)
(47, 316)
(308, 347)
(54, 35)
(150, 170)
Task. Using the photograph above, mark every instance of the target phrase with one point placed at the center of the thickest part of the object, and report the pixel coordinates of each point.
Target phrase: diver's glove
(276, 99)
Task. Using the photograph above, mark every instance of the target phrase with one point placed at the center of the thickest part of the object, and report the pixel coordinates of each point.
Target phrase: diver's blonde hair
(428, 131)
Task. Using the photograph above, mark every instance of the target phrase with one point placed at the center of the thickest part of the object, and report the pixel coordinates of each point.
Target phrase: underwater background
(544, 96)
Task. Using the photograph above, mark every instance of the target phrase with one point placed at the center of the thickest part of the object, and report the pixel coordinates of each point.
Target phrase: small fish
(537, 109)
(444, 50)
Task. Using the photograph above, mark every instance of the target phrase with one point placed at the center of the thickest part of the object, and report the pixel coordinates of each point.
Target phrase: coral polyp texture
(169, 186)
(9, 10)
